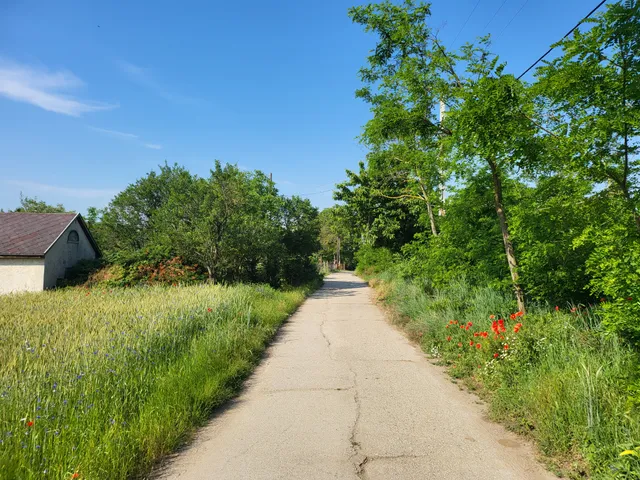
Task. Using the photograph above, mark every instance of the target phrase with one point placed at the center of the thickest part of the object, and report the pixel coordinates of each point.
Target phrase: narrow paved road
(342, 394)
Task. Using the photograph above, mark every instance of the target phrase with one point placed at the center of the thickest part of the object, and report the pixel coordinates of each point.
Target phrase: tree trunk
(432, 219)
(504, 226)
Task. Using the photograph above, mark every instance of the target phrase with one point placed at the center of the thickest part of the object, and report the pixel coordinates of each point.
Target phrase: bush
(614, 266)
(371, 260)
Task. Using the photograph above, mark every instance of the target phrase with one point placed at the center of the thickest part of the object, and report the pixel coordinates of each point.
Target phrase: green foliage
(33, 205)
(614, 267)
(336, 233)
(233, 225)
(542, 175)
(371, 260)
(547, 222)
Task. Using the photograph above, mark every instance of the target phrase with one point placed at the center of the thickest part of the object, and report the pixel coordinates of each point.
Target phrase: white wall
(63, 255)
(21, 275)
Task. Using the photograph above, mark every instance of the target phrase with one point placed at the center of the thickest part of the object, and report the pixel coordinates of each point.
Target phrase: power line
(512, 19)
(568, 33)
(313, 193)
(495, 14)
(465, 23)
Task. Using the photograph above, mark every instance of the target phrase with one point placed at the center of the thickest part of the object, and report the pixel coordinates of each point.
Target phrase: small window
(73, 237)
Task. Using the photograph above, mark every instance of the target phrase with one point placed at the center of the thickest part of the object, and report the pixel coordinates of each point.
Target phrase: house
(36, 249)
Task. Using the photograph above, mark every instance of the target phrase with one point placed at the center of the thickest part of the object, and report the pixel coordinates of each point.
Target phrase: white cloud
(144, 78)
(125, 136)
(32, 188)
(113, 133)
(44, 89)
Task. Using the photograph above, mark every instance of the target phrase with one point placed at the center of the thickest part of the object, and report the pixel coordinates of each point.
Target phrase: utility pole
(442, 187)
(338, 252)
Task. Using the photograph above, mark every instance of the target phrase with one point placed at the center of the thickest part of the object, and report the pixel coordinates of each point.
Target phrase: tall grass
(99, 384)
(559, 379)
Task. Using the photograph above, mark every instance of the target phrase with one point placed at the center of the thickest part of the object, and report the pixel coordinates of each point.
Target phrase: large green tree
(592, 92)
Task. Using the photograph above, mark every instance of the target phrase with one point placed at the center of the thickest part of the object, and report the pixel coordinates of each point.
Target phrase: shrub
(373, 260)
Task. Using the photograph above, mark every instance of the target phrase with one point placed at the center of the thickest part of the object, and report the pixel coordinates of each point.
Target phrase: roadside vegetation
(99, 383)
(524, 276)
(102, 377)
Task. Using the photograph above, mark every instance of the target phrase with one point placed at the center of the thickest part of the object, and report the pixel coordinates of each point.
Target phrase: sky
(94, 95)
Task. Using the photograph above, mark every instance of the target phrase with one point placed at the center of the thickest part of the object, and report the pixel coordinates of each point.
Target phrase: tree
(33, 205)
(227, 223)
(490, 121)
(300, 239)
(592, 93)
(127, 223)
(403, 82)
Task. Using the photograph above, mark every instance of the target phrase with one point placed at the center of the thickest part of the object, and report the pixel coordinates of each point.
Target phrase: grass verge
(551, 374)
(100, 384)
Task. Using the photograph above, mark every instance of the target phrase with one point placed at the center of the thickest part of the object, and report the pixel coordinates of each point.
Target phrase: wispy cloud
(125, 136)
(45, 89)
(113, 133)
(144, 78)
(39, 188)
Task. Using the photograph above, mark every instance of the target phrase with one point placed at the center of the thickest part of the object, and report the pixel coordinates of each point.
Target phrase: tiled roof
(31, 234)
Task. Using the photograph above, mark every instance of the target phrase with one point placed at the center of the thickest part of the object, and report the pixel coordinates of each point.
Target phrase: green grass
(560, 379)
(100, 384)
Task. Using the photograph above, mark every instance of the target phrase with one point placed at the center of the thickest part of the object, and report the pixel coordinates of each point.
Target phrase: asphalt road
(342, 394)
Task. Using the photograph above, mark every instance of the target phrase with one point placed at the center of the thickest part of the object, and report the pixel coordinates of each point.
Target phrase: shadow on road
(338, 288)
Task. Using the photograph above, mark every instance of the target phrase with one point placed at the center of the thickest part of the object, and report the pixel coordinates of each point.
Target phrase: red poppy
(496, 355)
(629, 299)
(506, 347)
(476, 334)
(462, 326)
(455, 322)
(491, 317)
(479, 366)
(471, 342)
(478, 346)
(494, 327)
(30, 423)
(447, 326)
(469, 324)
(512, 316)
(448, 339)
(573, 310)
(467, 327)
(75, 475)
(517, 327)
(450, 322)
(484, 334)
(557, 308)
(520, 313)
(459, 344)
(209, 310)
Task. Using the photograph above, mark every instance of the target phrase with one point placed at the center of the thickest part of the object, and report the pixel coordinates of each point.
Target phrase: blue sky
(94, 95)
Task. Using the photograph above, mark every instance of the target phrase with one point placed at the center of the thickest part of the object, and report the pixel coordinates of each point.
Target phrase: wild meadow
(552, 374)
(99, 383)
